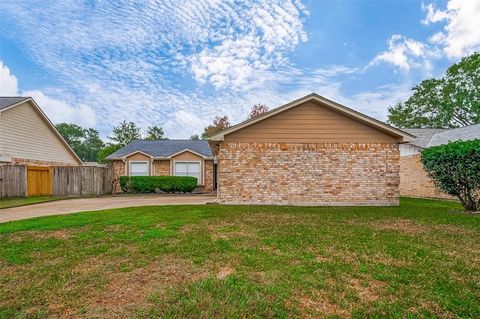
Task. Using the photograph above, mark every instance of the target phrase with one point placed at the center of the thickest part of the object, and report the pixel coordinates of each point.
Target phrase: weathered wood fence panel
(76, 181)
(13, 181)
(20, 181)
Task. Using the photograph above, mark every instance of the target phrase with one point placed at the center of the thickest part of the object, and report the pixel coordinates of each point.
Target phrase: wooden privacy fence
(18, 180)
(13, 181)
(71, 180)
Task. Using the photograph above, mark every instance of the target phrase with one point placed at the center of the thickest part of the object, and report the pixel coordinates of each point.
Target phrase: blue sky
(177, 64)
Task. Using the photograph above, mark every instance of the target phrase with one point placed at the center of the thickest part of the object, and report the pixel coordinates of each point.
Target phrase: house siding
(26, 137)
(309, 173)
(414, 180)
(310, 122)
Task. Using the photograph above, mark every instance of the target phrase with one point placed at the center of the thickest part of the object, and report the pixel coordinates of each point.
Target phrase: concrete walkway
(69, 206)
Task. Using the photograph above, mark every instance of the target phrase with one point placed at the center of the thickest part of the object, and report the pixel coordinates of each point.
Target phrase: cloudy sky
(178, 63)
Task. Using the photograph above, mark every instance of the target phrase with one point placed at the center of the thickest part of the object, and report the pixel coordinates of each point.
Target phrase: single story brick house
(414, 180)
(165, 158)
(311, 151)
(27, 137)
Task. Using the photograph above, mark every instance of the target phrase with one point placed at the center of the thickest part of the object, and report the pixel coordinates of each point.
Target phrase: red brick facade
(309, 174)
(414, 181)
(208, 176)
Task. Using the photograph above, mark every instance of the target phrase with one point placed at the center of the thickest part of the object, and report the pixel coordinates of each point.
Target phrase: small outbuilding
(311, 151)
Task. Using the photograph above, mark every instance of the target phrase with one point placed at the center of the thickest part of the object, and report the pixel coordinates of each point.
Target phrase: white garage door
(188, 169)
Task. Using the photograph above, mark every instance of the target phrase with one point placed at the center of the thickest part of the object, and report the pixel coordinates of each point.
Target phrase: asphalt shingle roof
(462, 133)
(427, 137)
(163, 148)
(6, 101)
(424, 135)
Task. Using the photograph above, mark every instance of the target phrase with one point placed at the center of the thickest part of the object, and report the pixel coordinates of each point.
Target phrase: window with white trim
(188, 169)
(139, 168)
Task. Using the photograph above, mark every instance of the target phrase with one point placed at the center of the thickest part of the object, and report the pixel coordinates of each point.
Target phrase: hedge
(150, 184)
(455, 169)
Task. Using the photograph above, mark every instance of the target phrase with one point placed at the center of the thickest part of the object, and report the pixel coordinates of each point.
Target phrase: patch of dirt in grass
(225, 272)
(129, 291)
(368, 290)
(62, 234)
(219, 229)
(319, 306)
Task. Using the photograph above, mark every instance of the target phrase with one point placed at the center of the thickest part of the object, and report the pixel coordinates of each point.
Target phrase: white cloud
(404, 53)
(461, 34)
(56, 110)
(8, 81)
(60, 111)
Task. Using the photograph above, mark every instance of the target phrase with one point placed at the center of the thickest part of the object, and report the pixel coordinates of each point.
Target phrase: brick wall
(162, 168)
(414, 180)
(31, 162)
(309, 174)
(208, 176)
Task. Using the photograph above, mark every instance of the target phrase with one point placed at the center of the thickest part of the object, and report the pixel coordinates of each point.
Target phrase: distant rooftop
(163, 148)
(6, 101)
(427, 137)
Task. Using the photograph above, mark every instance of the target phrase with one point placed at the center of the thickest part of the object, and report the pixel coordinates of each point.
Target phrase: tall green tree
(125, 133)
(107, 150)
(155, 133)
(451, 101)
(86, 142)
(219, 123)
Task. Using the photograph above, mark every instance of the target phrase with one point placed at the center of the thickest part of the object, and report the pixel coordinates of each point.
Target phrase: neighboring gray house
(165, 158)
(427, 137)
(414, 180)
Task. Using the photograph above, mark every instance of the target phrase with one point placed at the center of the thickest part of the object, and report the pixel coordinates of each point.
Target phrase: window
(188, 169)
(138, 168)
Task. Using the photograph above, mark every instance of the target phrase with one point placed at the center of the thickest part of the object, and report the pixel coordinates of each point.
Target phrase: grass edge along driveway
(417, 260)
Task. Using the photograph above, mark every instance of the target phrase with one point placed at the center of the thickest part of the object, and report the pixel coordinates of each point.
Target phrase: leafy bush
(455, 169)
(149, 184)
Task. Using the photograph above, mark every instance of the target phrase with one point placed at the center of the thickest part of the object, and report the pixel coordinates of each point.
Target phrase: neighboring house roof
(163, 148)
(463, 133)
(423, 135)
(7, 103)
(427, 137)
(325, 102)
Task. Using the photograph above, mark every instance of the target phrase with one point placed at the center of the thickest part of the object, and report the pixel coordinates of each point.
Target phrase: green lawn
(421, 259)
(21, 201)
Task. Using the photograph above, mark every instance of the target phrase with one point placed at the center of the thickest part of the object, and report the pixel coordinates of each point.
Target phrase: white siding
(24, 134)
(408, 150)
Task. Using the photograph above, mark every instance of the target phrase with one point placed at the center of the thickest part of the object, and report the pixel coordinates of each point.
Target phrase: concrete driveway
(69, 206)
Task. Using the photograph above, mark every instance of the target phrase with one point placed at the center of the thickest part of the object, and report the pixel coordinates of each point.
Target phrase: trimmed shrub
(455, 169)
(150, 184)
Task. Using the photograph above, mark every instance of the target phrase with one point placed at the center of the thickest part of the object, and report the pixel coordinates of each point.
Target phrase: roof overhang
(47, 120)
(406, 137)
(158, 157)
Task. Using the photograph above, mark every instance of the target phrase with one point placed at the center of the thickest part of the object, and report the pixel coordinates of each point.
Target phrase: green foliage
(106, 151)
(85, 142)
(451, 101)
(149, 184)
(219, 124)
(155, 133)
(195, 137)
(455, 169)
(125, 133)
